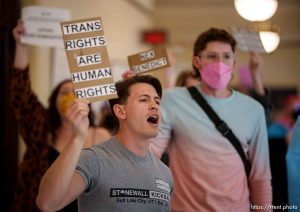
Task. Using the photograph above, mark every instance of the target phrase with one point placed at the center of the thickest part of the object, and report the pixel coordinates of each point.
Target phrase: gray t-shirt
(118, 180)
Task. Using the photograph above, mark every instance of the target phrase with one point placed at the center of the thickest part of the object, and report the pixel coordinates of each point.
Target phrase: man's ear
(197, 62)
(119, 111)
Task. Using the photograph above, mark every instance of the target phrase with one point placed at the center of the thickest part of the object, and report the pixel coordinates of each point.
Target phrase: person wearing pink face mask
(208, 172)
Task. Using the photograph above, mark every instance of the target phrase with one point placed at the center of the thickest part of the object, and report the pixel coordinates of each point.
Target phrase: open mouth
(153, 119)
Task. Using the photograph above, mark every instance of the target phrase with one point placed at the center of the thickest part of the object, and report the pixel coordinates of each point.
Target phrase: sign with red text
(150, 60)
(86, 51)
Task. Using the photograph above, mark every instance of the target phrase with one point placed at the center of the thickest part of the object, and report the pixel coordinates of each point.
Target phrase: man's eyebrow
(148, 96)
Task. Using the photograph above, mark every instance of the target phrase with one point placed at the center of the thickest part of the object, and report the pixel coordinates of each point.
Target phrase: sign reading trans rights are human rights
(150, 60)
(88, 60)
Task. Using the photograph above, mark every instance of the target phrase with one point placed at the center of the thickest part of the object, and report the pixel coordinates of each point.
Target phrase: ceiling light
(270, 40)
(269, 35)
(256, 10)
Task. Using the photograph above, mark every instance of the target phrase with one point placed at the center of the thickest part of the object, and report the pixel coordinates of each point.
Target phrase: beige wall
(185, 20)
(123, 20)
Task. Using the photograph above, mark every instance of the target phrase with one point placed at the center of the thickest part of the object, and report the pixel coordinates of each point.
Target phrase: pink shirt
(207, 171)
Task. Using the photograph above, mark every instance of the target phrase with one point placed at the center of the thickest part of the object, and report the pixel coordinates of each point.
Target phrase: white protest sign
(42, 25)
(247, 40)
(151, 60)
(88, 60)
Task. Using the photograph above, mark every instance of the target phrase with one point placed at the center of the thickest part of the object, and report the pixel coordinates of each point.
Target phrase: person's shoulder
(158, 161)
(103, 150)
(164, 168)
(102, 145)
(175, 93)
(174, 90)
(248, 100)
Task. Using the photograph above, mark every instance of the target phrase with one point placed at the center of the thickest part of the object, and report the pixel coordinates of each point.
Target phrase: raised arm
(260, 93)
(61, 184)
(24, 101)
(255, 66)
(21, 53)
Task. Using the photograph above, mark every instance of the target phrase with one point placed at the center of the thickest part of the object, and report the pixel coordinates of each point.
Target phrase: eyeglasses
(214, 56)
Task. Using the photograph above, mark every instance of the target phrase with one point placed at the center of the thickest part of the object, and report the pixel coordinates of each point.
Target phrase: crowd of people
(71, 164)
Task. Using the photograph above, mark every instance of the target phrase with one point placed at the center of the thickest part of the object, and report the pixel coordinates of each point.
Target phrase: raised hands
(128, 74)
(21, 53)
(77, 114)
(255, 62)
(255, 66)
(18, 31)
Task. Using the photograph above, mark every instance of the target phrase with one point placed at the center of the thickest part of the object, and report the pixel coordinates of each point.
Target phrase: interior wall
(123, 20)
(185, 20)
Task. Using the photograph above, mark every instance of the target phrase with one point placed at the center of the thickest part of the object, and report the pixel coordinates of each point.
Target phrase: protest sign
(88, 60)
(151, 60)
(42, 25)
(247, 40)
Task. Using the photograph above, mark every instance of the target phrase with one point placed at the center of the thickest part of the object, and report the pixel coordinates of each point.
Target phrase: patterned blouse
(31, 116)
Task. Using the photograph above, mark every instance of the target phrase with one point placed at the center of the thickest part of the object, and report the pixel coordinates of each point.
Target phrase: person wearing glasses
(208, 172)
(120, 174)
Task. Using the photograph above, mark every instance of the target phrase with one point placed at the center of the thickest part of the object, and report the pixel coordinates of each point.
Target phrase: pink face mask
(216, 75)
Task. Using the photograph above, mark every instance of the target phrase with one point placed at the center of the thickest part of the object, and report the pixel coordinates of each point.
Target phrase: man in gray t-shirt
(120, 174)
(117, 180)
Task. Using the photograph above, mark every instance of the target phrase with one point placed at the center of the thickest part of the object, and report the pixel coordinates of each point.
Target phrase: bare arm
(21, 52)
(261, 94)
(255, 65)
(24, 101)
(61, 184)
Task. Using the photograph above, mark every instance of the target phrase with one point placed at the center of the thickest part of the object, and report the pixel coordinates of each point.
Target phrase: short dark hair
(123, 86)
(213, 34)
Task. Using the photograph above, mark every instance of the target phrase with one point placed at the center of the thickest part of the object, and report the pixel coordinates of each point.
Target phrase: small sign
(150, 60)
(88, 60)
(42, 26)
(248, 40)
